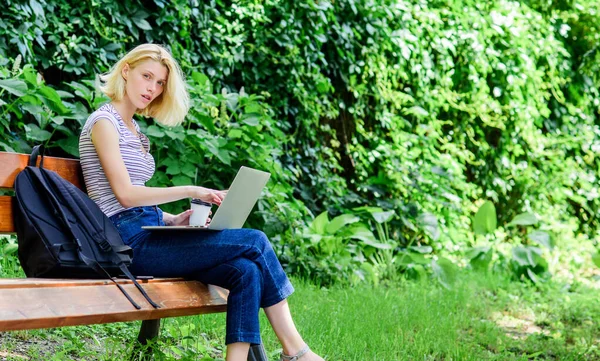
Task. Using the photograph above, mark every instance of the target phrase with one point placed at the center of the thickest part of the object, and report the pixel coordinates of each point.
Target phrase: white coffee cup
(200, 212)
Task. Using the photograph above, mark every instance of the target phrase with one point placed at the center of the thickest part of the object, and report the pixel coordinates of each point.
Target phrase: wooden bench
(33, 303)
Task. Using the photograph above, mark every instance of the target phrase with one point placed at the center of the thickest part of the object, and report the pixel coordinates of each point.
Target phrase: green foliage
(418, 107)
(331, 251)
(485, 219)
(9, 263)
(346, 250)
(527, 261)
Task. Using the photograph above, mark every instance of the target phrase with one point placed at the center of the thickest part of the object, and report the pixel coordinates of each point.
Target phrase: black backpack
(62, 233)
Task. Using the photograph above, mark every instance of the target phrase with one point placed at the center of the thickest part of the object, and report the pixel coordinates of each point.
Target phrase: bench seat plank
(46, 303)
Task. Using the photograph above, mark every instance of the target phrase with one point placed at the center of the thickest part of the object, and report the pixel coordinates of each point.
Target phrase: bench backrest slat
(12, 163)
(6, 216)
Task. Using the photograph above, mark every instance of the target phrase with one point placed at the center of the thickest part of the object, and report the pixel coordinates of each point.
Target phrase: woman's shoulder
(106, 111)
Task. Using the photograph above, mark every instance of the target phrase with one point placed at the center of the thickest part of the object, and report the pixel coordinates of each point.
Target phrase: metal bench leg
(148, 331)
(257, 353)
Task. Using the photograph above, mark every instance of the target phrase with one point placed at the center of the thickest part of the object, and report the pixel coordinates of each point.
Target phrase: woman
(116, 165)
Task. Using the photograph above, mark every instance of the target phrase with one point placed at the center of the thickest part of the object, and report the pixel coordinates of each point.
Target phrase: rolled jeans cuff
(284, 292)
(249, 337)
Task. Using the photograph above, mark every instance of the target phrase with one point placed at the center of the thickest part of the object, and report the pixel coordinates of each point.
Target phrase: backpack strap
(93, 264)
(37, 150)
(127, 273)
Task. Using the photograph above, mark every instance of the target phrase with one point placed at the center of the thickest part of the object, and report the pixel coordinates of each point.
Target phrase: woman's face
(145, 82)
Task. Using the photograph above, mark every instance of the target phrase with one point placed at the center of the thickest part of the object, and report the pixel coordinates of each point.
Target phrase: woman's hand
(208, 219)
(208, 195)
(181, 219)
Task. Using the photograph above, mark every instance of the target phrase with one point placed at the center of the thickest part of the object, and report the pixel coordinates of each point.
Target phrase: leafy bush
(346, 250)
(420, 107)
(526, 259)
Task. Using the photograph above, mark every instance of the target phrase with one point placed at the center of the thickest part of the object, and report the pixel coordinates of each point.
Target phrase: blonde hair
(172, 105)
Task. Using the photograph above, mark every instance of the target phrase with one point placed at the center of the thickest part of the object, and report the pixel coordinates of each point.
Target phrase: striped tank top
(139, 163)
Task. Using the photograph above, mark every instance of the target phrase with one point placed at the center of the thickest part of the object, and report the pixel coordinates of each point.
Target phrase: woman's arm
(106, 141)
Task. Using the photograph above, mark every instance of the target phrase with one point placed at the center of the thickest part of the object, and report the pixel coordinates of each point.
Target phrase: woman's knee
(259, 239)
(249, 274)
(237, 274)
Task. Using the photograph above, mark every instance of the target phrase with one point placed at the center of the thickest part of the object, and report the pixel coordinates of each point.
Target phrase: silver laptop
(237, 204)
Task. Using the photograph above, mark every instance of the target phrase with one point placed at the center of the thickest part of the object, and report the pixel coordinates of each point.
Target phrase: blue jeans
(240, 260)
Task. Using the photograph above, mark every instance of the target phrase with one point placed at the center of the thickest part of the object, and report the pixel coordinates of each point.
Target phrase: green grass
(481, 318)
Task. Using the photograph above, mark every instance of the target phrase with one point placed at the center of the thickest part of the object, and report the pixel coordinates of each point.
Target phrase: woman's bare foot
(311, 356)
